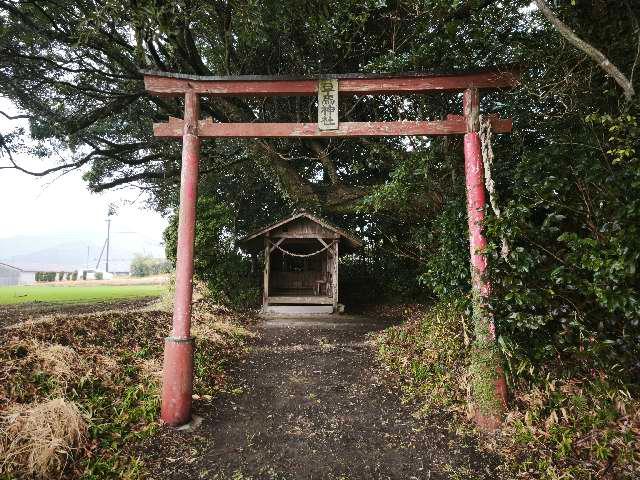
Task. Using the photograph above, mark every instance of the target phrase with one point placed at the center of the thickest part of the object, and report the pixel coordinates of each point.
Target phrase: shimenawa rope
(487, 158)
(299, 255)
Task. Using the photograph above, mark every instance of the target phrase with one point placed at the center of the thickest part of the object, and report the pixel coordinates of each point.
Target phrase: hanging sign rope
(301, 255)
(486, 134)
(487, 157)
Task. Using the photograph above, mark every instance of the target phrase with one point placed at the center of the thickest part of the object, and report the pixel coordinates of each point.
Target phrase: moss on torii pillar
(488, 385)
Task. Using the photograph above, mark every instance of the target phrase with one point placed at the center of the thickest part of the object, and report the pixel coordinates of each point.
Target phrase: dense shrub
(372, 276)
(45, 276)
(570, 284)
(562, 422)
(233, 277)
(146, 265)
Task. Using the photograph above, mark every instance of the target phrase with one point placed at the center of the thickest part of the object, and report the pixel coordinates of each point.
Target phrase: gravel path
(310, 402)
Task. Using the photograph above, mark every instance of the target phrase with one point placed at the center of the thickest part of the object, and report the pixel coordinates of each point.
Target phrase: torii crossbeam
(178, 357)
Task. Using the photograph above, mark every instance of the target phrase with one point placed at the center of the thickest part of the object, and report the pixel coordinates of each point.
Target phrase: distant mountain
(25, 244)
(75, 251)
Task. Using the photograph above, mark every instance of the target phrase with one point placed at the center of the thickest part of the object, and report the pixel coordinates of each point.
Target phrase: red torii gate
(177, 384)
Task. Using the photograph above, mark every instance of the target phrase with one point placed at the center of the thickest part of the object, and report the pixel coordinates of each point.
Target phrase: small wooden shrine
(301, 263)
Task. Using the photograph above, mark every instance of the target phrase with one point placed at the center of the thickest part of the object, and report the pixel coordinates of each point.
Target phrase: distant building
(10, 275)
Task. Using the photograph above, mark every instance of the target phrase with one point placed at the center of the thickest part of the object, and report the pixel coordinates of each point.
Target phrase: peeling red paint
(177, 381)
(476, 201)
(208, 129)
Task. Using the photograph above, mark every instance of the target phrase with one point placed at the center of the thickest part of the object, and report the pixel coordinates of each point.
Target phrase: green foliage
(415, 232)
(46, 276)
(146, 265)
(219, 263)
(430, 351)
(571, 274)
(98, 275)
(446, 268)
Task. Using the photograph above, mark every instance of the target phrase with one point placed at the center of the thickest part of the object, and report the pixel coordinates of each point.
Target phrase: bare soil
(13, 314)
(311, 402)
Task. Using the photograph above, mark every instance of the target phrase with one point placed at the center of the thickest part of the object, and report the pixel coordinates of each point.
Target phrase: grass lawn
(75, 293)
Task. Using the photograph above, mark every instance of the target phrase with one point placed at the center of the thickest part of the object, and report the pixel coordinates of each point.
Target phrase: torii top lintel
(175, 84)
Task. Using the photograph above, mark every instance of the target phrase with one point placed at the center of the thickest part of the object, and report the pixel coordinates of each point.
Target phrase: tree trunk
(592, 52)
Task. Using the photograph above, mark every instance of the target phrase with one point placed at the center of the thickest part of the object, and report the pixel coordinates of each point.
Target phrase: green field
(76, 293)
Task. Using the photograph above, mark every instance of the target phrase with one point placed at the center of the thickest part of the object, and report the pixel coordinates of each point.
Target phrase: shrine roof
(352, 241)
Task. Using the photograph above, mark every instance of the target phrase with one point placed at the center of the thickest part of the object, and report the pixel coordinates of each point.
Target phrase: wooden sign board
(328, 104)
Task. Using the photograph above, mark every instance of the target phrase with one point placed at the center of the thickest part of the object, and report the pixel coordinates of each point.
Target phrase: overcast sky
(62, 204)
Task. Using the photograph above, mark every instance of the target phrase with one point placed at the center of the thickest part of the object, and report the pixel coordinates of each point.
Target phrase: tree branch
(328, 165)
(589, 50)
(14, 117)
(42, 173)
(173, 174)
(146, 175)
(636, 26)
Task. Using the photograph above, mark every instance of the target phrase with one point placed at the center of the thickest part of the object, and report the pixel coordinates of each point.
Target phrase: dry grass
(215, 329)
(107, 362)
(106, 367)
(60, 362)
(61, 365)
(38, 440)
(151, 368)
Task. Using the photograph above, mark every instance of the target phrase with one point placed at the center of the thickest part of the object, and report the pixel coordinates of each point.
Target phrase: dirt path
(313, 404)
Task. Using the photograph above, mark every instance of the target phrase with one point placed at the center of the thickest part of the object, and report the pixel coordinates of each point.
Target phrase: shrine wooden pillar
(488, 383)
(177, 371)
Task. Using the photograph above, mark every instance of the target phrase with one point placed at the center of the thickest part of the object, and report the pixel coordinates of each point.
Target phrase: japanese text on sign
(328, 104)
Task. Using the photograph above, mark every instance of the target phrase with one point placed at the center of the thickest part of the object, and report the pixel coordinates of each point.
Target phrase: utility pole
(108, 233)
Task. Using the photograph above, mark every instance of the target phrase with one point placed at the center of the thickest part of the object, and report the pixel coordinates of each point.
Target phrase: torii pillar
(489, 385)
(177, 371)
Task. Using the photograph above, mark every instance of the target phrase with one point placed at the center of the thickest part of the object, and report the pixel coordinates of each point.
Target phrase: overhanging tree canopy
(74, 69)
